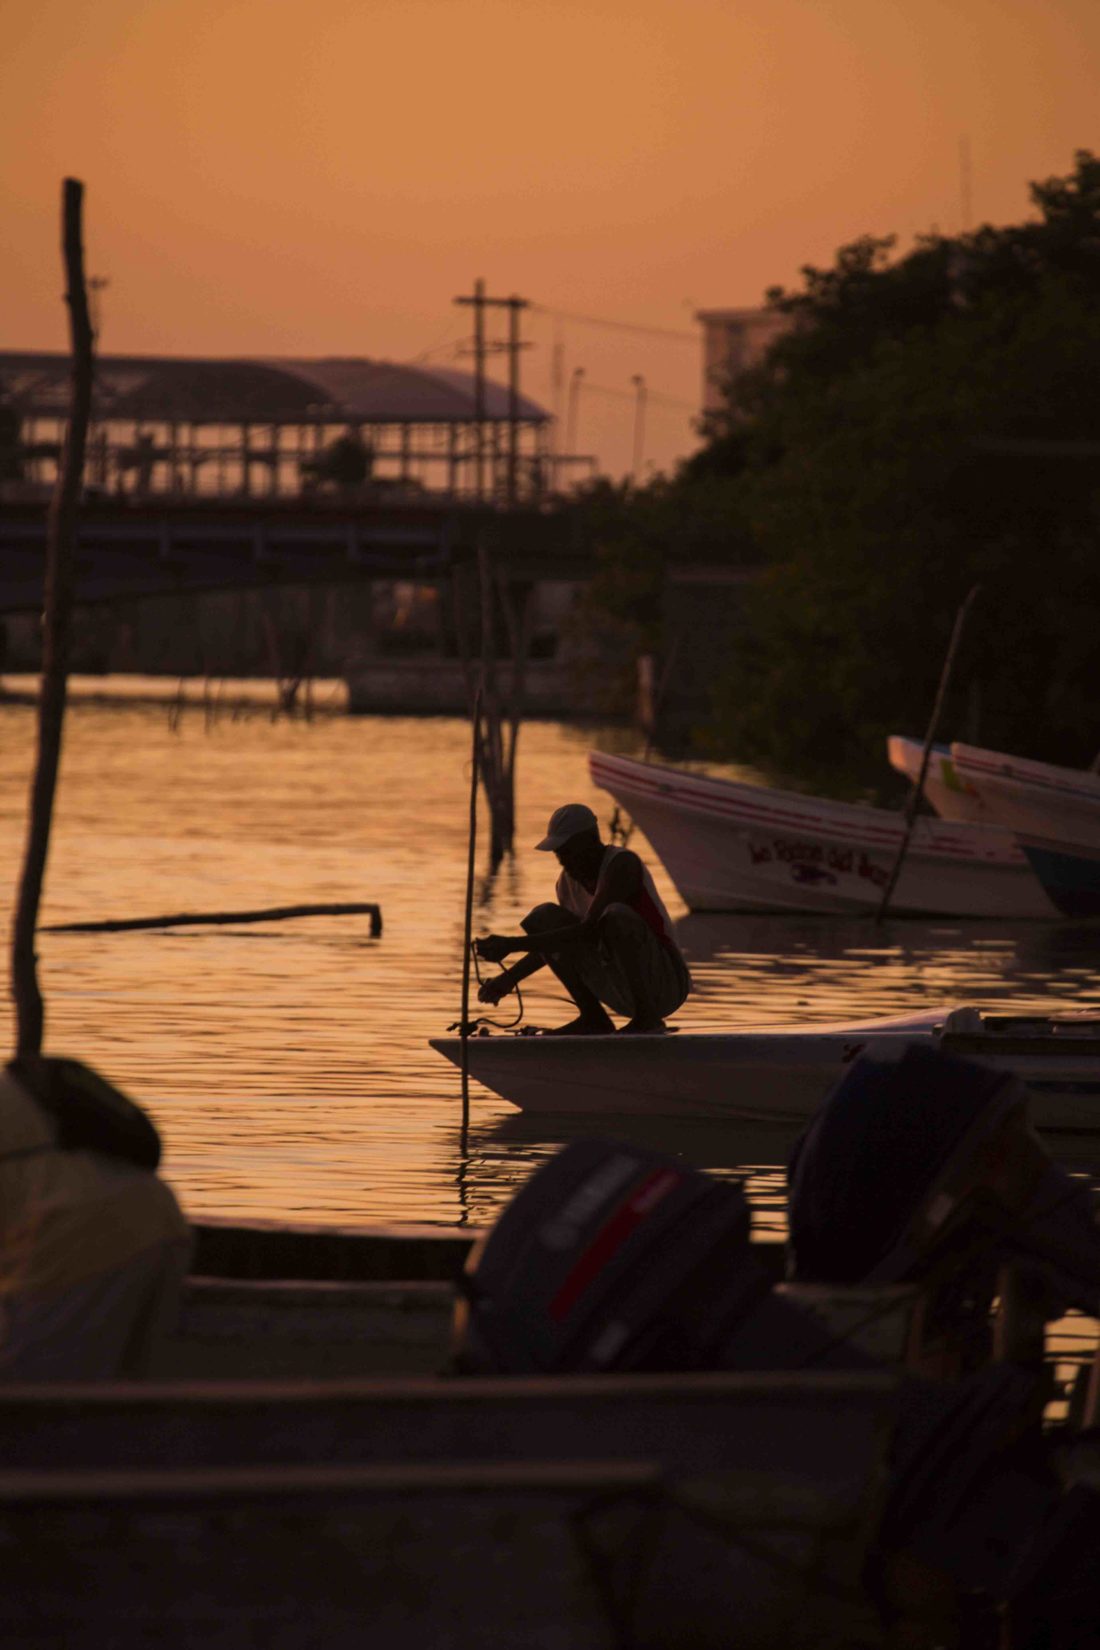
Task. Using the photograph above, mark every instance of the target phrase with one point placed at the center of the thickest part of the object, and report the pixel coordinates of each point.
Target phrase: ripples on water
(287, 1064)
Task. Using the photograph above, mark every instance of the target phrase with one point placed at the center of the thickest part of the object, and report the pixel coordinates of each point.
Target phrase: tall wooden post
(60, 541)
(468, 926)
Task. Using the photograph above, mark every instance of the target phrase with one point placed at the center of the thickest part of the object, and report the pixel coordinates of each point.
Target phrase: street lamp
(639, 423)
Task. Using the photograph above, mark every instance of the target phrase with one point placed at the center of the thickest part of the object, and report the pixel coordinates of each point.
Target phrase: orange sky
(280, 177)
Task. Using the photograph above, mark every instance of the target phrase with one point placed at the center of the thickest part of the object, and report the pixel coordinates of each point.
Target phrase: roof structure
(332, 389)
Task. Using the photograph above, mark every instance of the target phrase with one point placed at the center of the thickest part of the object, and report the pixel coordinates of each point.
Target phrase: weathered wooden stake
(56, 626)
(497, 747)
(929, 740)
(215, 919)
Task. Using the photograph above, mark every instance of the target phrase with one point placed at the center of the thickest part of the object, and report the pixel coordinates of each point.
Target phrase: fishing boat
(1040, 801)
(647, 1507)
(1070, 876)
(781, 1074)
(734, 847)
(1055, 813)
(950, 796)
(590, 1511)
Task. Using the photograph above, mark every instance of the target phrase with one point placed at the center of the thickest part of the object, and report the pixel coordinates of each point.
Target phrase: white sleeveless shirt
(575, 897)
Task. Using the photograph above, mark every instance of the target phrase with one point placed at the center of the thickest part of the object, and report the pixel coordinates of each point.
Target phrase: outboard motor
(924, 1167)
(613, 1257)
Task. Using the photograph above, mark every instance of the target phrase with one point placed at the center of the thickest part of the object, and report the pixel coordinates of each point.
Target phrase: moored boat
(1070, 875)
(585, 1511)
(731, 847)
(944, 791)
(780, 1074)
(1055, 813)
(1044, 803)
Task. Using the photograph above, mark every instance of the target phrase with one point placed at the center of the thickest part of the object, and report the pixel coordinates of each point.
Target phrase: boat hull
(1071, 878)
(777, 1076)
(734, 847)
(568, 1513)
(1044, 804)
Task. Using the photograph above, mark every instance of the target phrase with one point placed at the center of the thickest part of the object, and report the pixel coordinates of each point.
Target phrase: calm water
(287, 1064)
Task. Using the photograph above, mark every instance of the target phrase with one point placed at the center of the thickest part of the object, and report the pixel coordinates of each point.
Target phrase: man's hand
(491, 991)
(493, 948)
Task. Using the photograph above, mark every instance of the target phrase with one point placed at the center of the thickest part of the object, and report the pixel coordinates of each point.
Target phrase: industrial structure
(190, 428)
(734, 340)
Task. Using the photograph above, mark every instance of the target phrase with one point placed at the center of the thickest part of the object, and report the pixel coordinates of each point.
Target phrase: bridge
(130, 548)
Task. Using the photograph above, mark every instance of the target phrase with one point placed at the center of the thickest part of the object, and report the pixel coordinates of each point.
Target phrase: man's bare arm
(620, 881)
(491, 991)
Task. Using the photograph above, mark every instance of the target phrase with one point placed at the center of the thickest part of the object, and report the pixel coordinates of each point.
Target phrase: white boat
(779, 1075)
(1040, 801)
(950, 796)
(734, 847)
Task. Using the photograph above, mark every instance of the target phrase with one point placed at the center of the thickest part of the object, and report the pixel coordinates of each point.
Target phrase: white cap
(566, 822)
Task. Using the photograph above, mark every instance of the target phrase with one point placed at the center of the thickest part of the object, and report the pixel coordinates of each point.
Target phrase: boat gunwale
(995, 768)
(780, 1386)
(734, 801)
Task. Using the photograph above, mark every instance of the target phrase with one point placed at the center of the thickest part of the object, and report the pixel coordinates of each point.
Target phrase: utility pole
(965, 185)
(514, 306)
(571, 416)
(480, 303)
(557, 390)
(639, 424)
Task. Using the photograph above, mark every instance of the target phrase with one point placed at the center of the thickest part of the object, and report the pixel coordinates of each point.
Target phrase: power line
(617, 326)
(450, 346)
(629, 395)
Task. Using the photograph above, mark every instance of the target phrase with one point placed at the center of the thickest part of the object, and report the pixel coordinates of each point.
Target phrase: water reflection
(288, 1063)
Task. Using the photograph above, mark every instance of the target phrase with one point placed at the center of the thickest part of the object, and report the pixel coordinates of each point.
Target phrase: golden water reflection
(287, 1063)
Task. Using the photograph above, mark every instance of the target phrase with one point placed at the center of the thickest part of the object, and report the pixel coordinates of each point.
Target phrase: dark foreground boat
(650, 1441)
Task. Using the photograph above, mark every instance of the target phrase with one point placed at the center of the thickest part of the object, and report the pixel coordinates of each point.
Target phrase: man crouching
(608, 939)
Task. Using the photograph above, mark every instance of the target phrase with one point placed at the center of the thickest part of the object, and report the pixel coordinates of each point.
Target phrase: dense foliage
(922, 426)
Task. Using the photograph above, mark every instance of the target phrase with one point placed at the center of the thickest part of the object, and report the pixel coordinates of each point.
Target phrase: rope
(484, 1019)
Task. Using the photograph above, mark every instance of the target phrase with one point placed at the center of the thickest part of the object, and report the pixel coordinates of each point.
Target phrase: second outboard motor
(925, 1157)
(925, 1168)
(613, 1257)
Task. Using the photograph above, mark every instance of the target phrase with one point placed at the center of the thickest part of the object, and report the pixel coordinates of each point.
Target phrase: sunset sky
(267, 177)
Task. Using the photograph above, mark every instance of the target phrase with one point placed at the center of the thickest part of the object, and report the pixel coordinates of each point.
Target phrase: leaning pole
(56, 626)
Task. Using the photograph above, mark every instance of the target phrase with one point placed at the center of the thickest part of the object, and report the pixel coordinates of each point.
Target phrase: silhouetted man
(608, 939)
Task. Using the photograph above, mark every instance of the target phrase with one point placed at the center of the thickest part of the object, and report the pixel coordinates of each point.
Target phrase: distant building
(733, 341)
(279, 428)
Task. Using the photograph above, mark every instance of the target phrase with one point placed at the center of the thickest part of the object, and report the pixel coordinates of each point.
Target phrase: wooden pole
(57, 617)
(493, 758)
(468, 926)
(929, 740)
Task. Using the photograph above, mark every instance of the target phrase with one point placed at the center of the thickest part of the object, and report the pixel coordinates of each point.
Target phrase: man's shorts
(597, 962)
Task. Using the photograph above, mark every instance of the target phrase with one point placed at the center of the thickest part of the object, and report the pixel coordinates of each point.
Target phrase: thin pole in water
(464, 1022)
(929, 740)
(56, 625)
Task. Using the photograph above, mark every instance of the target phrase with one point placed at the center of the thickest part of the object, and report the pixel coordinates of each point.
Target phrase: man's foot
(643, 1028)
(585, 1025)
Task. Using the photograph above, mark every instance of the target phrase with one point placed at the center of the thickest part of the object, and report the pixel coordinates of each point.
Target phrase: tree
(917, 429)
